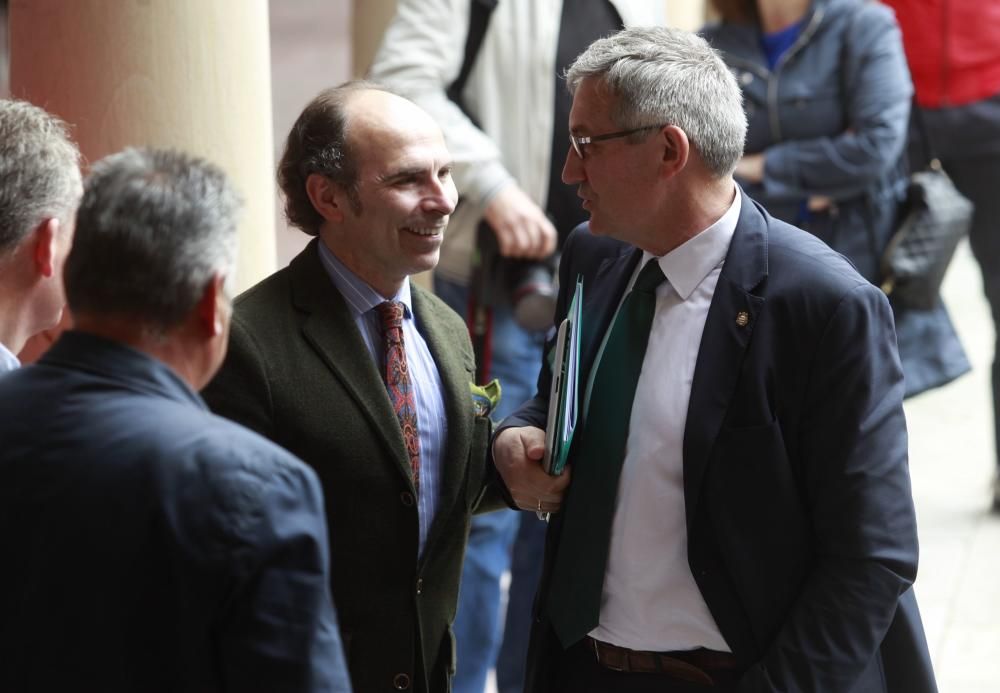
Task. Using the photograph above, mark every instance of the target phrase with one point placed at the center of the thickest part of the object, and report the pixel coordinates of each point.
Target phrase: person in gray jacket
(827, 95)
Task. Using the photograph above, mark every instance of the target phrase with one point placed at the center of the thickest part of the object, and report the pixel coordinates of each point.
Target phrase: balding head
(369, 172)
(319, 142)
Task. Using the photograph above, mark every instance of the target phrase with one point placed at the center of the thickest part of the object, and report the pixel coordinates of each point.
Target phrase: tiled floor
(951, 462)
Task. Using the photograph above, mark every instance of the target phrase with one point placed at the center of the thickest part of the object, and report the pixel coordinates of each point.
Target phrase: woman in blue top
(827, 95)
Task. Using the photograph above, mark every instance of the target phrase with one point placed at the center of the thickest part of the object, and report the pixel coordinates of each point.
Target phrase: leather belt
(695, 666)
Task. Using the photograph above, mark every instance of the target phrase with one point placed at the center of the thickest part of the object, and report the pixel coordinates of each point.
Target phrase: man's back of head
(154, 255)
(39, 190)
(155, 547)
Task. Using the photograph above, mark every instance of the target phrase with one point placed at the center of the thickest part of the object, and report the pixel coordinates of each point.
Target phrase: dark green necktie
(574, 598)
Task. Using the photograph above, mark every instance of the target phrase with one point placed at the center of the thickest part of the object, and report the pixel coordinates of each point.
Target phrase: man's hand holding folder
(517, 453)
(531, 461)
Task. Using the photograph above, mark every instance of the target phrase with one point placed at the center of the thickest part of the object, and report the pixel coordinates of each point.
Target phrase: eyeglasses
(578, 143)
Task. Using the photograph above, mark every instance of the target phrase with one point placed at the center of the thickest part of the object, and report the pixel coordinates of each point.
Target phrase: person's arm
(518, 444)
(278, 630)
(851, 457)
(420, 56)
(878, 92)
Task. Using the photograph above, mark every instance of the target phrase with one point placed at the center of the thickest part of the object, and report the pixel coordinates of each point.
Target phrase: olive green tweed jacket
(298, 372)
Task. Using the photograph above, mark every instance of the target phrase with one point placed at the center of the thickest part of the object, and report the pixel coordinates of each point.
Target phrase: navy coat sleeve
(278, 629)
(852, 451)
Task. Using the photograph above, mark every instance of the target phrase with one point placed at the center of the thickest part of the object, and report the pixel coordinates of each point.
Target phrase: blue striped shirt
(432, 425)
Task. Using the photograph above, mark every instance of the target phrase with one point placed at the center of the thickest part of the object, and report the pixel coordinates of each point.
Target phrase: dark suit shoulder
(799, 261)
(212, 447)
(238, 479)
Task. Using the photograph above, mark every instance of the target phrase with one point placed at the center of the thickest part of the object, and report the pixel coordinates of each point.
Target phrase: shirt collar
(8, 361)
(687, 265)
(359, 295)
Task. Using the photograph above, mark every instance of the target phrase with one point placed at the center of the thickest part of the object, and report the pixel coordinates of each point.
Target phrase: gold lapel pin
(742, 318)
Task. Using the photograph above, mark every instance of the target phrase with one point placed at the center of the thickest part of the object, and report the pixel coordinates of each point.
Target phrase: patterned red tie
(397, 380)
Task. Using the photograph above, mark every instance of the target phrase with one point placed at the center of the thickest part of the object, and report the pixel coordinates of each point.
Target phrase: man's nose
(572, 172)
(441, 197)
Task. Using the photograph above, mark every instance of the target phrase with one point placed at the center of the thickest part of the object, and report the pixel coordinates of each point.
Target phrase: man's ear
(213, 307)
(327, 198)
(676, 150)
(44, 247)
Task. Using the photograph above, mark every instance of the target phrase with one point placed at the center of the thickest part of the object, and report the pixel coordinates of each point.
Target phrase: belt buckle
(602, 662)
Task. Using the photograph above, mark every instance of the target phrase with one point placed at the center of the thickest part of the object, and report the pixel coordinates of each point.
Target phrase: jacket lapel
(457, 371)
(723, 345)
(600, 302)
(330, 330)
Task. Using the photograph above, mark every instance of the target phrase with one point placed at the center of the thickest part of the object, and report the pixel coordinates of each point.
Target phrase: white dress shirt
(650, 599)
(8, 361)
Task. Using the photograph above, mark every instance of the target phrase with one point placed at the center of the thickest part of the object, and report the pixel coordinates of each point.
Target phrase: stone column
(189, 74)
(368, 21)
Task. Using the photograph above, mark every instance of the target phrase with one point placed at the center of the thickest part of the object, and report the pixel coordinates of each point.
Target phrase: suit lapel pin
(742, 318)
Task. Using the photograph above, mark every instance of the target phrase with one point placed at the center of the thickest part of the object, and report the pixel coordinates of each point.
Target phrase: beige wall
(189, 74)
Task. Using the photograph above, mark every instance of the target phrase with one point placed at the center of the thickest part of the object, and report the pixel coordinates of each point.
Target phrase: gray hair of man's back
(153, 228)
(662, 75)
(39, 171)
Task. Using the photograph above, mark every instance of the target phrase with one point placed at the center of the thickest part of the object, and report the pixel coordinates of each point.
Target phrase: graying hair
(39, 171)
(662, 75)
(153, 227)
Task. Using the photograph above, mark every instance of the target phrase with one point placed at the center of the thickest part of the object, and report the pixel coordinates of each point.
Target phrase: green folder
(563, 395)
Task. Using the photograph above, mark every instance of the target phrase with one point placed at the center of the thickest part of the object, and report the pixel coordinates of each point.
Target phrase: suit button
(407, 498)
(401, 682)
(420, 585)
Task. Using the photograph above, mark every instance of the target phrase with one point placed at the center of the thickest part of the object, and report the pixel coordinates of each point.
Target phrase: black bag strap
(931, 160)
(479, 19)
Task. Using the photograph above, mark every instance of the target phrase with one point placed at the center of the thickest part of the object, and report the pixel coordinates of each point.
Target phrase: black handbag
(932, 220)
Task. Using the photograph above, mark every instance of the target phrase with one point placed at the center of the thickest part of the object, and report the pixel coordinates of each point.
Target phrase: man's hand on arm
(517, 454)
(521, 227)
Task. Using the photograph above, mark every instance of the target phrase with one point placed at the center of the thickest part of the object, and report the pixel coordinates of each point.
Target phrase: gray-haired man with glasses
(737, 514)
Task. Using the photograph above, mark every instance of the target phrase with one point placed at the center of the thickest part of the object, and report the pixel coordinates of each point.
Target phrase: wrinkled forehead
(384, 130)
(594, 105)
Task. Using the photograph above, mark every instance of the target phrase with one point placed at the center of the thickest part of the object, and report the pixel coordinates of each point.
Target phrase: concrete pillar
(189, 74)
(369, 20)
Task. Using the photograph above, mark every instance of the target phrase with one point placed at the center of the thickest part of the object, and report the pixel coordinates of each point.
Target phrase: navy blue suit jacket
(801, 528)
(149, 545)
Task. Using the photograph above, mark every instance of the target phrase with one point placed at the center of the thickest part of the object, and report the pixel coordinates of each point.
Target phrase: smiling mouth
(426, 231)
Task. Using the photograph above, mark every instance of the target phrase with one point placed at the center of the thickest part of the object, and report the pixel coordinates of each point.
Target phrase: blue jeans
(525, 572)
(517, 358)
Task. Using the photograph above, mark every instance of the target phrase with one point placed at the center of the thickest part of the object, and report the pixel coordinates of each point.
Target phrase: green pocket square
(486, 397)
